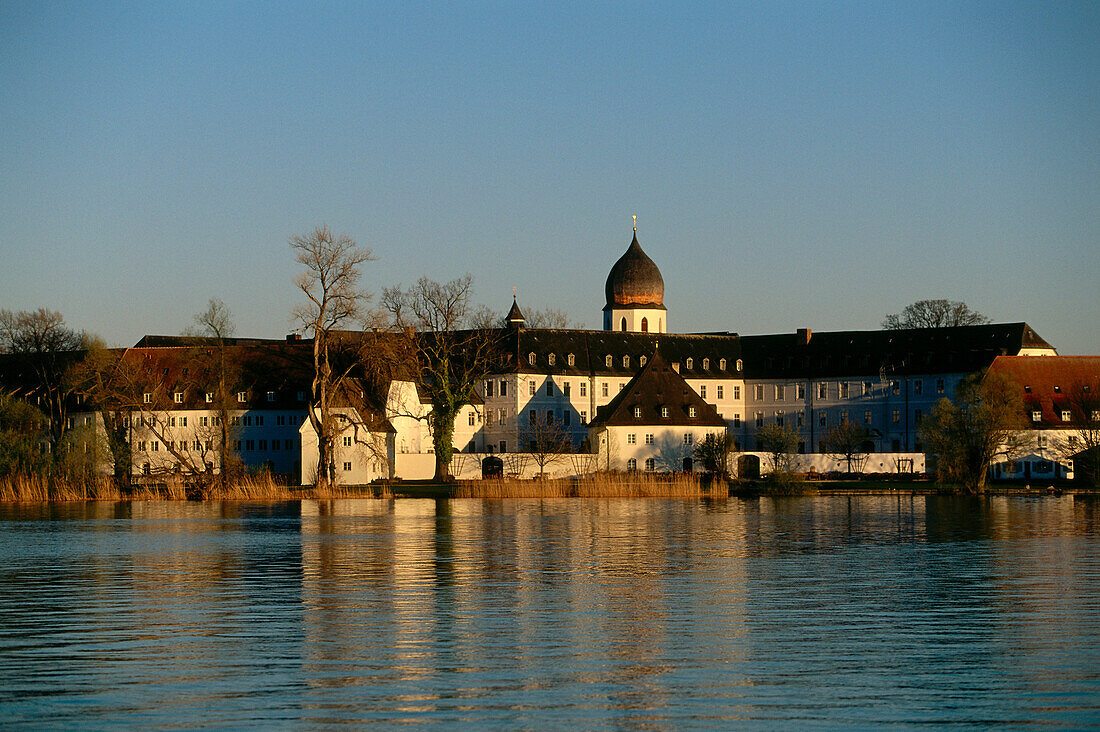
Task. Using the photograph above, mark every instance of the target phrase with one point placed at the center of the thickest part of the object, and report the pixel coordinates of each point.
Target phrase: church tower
(635, 293)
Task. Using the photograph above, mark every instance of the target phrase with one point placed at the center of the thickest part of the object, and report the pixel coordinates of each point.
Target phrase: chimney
(804, 335)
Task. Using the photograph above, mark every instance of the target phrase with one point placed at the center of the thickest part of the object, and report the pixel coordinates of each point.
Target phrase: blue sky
(791, 164)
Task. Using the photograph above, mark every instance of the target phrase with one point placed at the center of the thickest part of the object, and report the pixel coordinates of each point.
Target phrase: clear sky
(791, 164)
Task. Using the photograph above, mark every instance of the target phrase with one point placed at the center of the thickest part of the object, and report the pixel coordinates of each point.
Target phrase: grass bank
(602, 485)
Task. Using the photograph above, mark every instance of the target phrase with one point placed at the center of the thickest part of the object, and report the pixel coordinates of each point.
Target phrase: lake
(825, 612)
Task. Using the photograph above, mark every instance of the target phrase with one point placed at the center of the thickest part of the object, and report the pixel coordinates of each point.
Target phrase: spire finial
(513, 292)
(635, 217)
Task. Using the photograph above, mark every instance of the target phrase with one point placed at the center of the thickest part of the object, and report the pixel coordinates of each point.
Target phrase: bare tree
(934, 314)
(714, 451)
(50, 349)
(779, 442)
(1082, 443)
(330, 283)
(845, 442)
(985, 420)
(452, 358)
(217, 372)
(551, 318)
(546, 440)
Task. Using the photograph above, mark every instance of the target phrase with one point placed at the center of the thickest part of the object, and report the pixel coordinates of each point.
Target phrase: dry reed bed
(604, 485)
(39, 489)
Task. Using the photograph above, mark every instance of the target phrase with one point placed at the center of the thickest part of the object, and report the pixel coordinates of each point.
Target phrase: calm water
(824, 612)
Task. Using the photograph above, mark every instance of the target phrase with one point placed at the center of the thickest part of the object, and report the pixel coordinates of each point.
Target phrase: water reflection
(846, 611)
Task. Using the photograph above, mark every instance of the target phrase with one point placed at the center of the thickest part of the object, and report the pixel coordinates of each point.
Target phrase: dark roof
(634, 280)
(169, 341)
(515, 316)
(959, 349)
(654, 387)
(1053, 384)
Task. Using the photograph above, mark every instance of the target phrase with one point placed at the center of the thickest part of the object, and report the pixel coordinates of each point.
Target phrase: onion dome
(634, 280)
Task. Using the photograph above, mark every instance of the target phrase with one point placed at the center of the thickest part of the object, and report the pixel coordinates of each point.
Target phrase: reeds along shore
(603, 485)
(38, 489)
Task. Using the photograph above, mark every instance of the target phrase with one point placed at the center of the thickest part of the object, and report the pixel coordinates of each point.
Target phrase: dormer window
(691, 411)
(550, 359)
(571, 359)
(242, 396)
(637, 412)
(271, 396)
(626, 362)
(607, 361)
(706, 364)
(739, 364)
(178, 397)
(722, 364)
(1057, 389)
(641, 360)
(147, 398)
(531, 358)
(664, 411)
(1036, 416)
(1027, 389)
(1066, 415)
(689, 363)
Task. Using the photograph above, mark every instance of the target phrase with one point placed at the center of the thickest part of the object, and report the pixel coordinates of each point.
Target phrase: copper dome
(634, 280)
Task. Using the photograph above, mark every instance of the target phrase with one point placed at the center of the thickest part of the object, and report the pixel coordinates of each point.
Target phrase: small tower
(515, 318)
(635, 294)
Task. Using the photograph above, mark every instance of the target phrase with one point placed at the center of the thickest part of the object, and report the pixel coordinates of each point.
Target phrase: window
(867, 387)
(721, 364)
(488, 389)
(780, 392)
(584, 416)
(275, 444)
(141, 446)
(779, 417)
(183, 421)
(1066, 415)
(650, 464)
(1073, 441)
(843, 389)
(550, 359)
(566, 417)
(706, 364)
(249, 444)
(301, 396)
(271, 396)
(280, 420)
(759, 416)
(178, 397)
(1096, 415)
(737, 420)
(263, 444)
(549, 387)
(801, 419)
(739, 364)
(154, 446)
(822, 419)
(260, 420)
(637, 412)
(895, 387)
(171, 421)
(823, 390)
(288, 444)
(531, 388)
(1037, 416)
(209, 397)
(867, 417)
(649, 439)
(688, 362)
(917, 416)
(1057, 389)
(503, 387)
(641, 360)
(918, 387)
(531, 358)
(242, 396)
(347, 467)
(147, 398)
(632, 465)
(843, 415)
(645, 325)
(895, 418)
(473, 421)
(626, 362)
(531, 417)
(622, 325)
(939, 386)
(800, 391)
(571, 360)
(703, 391)
(550, 416)
(664, 411)
(604, 388)
(503, 446)
(691, 411)
(607, 361)
(566, 389)
(621, 385)
(631, 439)
(736, 392)
(689, 438)
(248, 421)
(584, 388)
(758, 392)
(719, 390)
(500, 417)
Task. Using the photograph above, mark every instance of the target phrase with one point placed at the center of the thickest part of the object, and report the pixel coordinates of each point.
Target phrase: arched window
(631, 465)
(531, 358)
(706, 364)
(550, 359)
(688, 363)
(607, 361)
(626, 362)
(622, 325)
(571, 360)
(645, 325)
(722, 364)
(738, 364)
(641, 360)
(650, 464)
